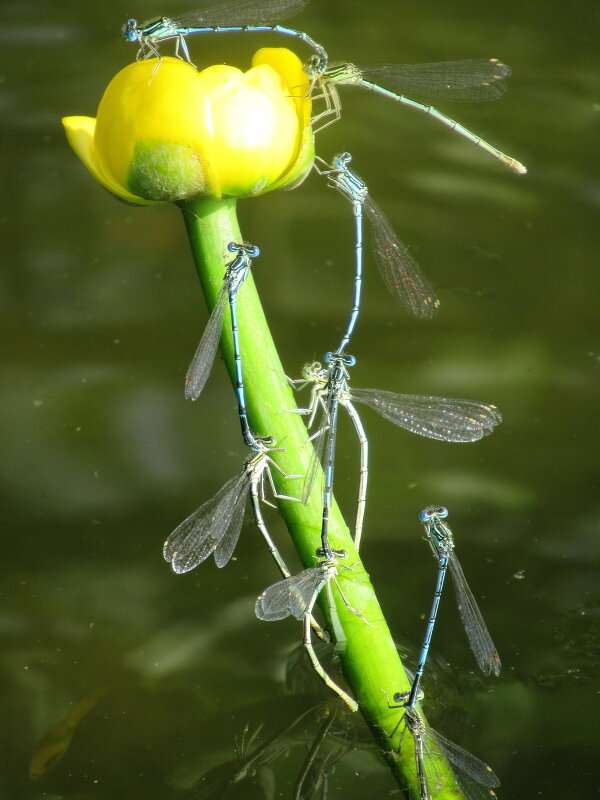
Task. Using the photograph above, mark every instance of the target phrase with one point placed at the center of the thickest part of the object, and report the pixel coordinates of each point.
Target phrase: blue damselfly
(399, 271)
(214, 16)
(441, 541)
(442, 418)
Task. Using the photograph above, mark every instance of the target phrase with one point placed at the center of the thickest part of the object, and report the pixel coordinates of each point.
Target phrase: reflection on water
(101, 313)
(133, 738)
(167, 740)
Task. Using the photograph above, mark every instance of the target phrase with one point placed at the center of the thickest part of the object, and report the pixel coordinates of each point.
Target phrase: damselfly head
(338, 359)
(245, 248)
(341, 161)
(311, 370)
(130, 30)
(433, 513)
(402, 697)
(315, 67)
(331, 556)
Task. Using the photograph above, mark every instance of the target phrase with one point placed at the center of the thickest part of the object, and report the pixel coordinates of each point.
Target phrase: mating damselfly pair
(466, 81)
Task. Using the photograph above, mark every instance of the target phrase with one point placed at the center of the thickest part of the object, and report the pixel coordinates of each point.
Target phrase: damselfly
(443, 558)
(337, 381)
(215, 527)
(441, 541)
(236, 272)
(296, 596)
(214, 16)
(355, 190)
(245, 252)
(442, 418)
(469, 81)
(476, 780)
(400, 272)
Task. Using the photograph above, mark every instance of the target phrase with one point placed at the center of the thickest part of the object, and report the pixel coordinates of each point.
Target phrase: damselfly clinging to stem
(236, 272)
(475, 778)
(468, 81)
(443, 418)
(214, 528)
(337, 380)
(235, 275)
(296, 596)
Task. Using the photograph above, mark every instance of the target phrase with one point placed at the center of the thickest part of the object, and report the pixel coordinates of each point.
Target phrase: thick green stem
(367, 653)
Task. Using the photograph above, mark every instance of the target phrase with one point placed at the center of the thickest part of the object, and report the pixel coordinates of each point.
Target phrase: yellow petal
(80, 135)
(293, 77)
(147, 130)
(252, 126)
(296, 83)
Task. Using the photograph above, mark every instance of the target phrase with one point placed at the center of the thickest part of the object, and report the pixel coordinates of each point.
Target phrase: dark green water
(101, 313)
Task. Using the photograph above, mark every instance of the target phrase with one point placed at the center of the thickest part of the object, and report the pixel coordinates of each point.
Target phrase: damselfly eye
(425, 515)
(129, 30)
(314, 66)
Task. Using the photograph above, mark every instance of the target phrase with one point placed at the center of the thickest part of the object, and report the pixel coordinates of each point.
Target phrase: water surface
(103, 457)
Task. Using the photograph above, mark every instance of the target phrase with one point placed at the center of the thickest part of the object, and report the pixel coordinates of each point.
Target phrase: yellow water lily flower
(166, 132)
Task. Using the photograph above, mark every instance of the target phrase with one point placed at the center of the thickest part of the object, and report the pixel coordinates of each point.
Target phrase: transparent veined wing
(315, 465)
(240, 12)
(291, 596)
(231, 533)
(204, 357)
(477, 80)
(203, 532)
(399, 271)
(479, 637)
(476, 779)
(443, 418)
(474, 776)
